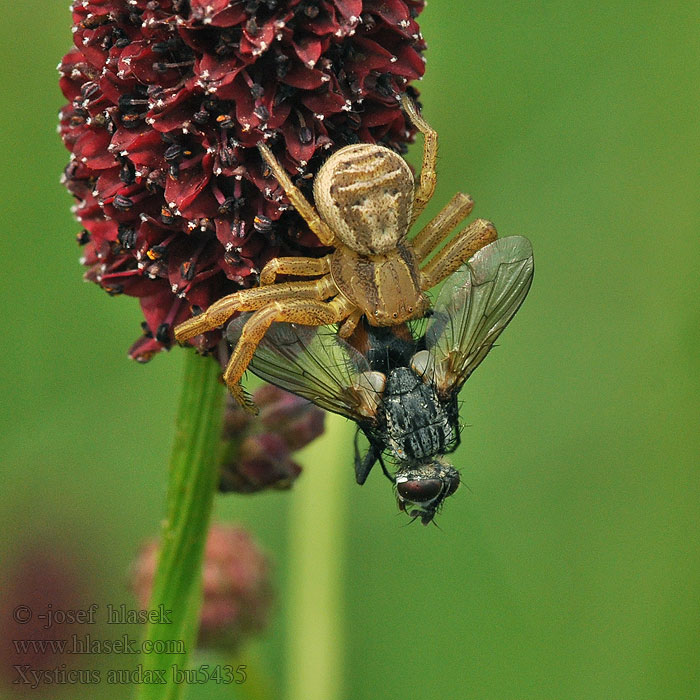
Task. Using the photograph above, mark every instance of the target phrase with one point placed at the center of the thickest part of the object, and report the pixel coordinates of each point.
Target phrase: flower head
(237, 592)
(167, 101)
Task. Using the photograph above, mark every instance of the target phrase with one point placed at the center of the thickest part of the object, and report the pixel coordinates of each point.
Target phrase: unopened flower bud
(294, 418)
(237, 592)
(258, 451)
(263, 462)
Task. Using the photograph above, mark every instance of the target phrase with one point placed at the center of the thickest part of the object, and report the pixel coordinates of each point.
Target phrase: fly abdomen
(418, 427)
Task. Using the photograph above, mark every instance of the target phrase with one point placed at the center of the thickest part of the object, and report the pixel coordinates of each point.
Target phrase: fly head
(421, 490)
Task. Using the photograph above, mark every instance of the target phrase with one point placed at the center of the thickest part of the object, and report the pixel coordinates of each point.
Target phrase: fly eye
(452, 487)
(420, 490)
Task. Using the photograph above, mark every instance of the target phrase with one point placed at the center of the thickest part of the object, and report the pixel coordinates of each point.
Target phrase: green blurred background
(569, 568)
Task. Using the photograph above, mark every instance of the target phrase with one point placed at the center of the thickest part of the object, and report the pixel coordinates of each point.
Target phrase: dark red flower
(167, 101)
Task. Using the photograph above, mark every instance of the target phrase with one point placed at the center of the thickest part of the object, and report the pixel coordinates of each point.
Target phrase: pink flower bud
(259, 450)
(237, 593)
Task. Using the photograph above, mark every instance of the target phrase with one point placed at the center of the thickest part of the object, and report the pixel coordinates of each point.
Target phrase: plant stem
(317, 526)
(194, 466)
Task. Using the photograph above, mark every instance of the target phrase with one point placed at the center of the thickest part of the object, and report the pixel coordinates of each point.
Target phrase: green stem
(194, 466)
(317, 527)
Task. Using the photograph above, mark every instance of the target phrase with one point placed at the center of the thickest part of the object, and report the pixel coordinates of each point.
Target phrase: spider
(366, 202)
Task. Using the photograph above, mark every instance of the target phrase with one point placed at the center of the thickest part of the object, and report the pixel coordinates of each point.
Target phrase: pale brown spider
(366, 202)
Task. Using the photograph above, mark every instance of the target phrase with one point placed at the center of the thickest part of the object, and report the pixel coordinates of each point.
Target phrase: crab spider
(366, 201)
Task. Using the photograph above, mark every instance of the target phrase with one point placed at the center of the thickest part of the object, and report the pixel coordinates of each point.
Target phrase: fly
(402, 390)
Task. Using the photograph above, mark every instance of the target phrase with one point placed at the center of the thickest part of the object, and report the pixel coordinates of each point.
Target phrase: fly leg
(363, 465)
(385, 470)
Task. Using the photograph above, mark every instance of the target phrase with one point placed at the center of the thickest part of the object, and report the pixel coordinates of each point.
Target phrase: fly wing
(474, 306)
(313, 362)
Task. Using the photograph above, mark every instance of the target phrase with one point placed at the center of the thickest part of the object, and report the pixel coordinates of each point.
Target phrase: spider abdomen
(365, 194)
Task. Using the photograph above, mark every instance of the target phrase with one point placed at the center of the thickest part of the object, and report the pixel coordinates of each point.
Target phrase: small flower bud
(263, 462)
(41, 579)
(296, 419)
(237, 593)
(258, 452)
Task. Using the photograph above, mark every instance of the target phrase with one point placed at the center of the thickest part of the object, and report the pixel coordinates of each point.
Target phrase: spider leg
(302, 267)
(299, 202)
(428, 176)
(436, 230)
(348, 326)
(308, 312)
(251, 300)
(457, 252)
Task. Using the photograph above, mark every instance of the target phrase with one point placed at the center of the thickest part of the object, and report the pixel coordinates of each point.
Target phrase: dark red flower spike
(167, 101)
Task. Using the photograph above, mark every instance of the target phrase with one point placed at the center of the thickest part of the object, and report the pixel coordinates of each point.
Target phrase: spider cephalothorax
(366, 201)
